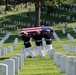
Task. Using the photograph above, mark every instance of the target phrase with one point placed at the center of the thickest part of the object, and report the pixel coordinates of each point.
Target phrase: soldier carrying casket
(38, 43)
(26, 38)
(47, 35)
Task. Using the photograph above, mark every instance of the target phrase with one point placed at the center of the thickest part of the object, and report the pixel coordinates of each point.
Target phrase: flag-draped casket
(35, 29)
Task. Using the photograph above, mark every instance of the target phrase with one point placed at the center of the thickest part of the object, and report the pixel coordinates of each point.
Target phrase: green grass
(38, 65)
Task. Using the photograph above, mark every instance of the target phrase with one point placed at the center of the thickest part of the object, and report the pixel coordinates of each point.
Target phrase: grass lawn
(38, 65)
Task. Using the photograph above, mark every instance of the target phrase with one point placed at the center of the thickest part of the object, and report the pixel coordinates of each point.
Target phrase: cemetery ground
(38, 65)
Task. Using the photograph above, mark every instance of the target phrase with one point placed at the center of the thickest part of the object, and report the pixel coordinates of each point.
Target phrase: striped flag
(31, 30)
(35, 29)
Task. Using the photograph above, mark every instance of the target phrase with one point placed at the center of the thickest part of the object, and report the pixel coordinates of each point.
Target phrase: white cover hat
(25, 33)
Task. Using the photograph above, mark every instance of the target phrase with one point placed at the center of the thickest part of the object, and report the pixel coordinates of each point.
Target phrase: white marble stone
(0, 52)
(56, 36)
(68, 17)
(73, 18)
(23, 51)
(58, 59)
(63, 63)
(21, 60)
(63, 31)
(75, 67)
(16, 64)
(55, 58)
(70, 65)
(4, 51)
(11, 66)
(51, 53)
(9, 49)
(3, 69)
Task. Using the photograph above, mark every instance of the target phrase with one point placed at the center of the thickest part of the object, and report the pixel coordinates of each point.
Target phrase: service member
(38, 43)
(47, 35)
(27, 44)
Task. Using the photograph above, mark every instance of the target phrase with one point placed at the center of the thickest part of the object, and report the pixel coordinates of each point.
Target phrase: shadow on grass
(11, 38)
(2, 58)
(68, 30)
(46, 17)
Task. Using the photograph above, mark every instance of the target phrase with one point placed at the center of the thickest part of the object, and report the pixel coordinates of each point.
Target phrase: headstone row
(71, 8)
(55, 15)
(23, 15)
(47, 22)
(67, 64)
(22, 24)
(67, 17)
(70, 18)
(12, 65)
(10, 27)
(3, 31)
(4, 51)
(60, 61)
(69, 48)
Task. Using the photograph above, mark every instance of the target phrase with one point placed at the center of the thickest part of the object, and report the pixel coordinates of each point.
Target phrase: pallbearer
(47, 35)
(38, 43)
(26, 38)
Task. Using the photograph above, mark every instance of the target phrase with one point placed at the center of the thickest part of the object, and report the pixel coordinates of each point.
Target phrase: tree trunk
(37, 13)
(6, 8)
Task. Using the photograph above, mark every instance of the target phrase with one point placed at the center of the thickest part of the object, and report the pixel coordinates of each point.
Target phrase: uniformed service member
(47, 35)
(27, 44)
(38, 43)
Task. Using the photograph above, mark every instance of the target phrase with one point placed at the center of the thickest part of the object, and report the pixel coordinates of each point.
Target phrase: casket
(32, 30)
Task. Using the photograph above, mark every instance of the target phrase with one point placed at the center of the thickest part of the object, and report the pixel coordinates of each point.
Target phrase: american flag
(45, 28)
(31, 30)
(35, 29)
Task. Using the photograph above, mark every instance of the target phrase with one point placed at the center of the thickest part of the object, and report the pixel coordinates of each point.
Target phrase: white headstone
(51, 53)
(3, 52)
(63, 31)
(23, 51)
(10, 49)
(70, 65)
(3, 69)
(73, 19)
(21, 60)
(63, 63)
(58, 59)
(0, 52)
(11, 66)
(75, 67)
(16, 64)
(55, 58)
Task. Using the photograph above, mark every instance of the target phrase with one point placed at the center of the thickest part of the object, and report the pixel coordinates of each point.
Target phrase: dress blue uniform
(38, 43)
(27, 44)
(47, 35)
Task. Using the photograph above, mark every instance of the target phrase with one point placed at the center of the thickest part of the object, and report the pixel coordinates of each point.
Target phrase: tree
(37, 13)
(38, 5)
(1, 2)
(6, 3)
(37, 10)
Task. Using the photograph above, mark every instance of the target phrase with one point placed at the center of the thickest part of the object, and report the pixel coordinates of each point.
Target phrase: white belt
(27, 42)
(48, 39)
(38, 40)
